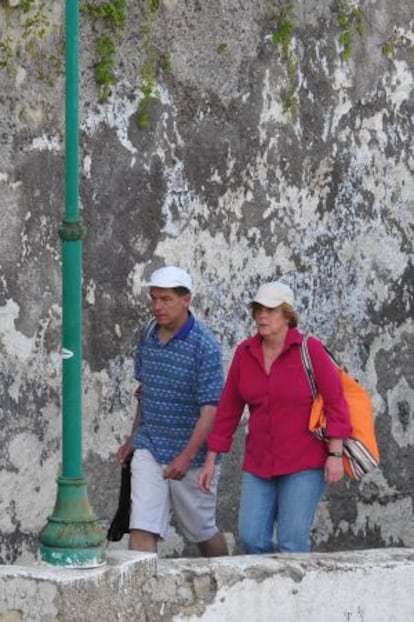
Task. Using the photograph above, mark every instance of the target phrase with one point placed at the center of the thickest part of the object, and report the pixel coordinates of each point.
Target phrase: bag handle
(307, 364)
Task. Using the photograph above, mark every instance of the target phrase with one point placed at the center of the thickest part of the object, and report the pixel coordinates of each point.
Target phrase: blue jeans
(290, 500)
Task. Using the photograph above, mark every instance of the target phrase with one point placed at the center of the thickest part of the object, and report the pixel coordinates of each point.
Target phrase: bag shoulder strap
(307, 364)
(148, 329)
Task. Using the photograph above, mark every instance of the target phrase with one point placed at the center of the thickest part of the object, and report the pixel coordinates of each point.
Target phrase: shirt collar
(185, 328)
(294, 337)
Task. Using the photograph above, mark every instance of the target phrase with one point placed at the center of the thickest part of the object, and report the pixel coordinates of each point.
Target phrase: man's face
(169, 308)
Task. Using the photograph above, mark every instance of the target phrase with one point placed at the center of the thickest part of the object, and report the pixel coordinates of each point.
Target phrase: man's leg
(215, 547)
(195, 512)
(150, 505)
(140, 540)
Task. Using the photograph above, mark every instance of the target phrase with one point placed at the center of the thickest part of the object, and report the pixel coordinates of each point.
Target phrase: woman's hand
(207, 472)
(334, 469)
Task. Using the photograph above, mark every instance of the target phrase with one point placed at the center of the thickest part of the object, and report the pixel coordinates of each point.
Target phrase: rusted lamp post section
(72, 535)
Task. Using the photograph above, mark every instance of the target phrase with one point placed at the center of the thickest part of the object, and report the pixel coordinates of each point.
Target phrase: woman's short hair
(288, 312)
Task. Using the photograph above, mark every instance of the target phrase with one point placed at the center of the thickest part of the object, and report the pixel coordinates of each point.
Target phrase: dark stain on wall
(13, 545)
(33, 273)
(31, 400)
(119, 197)
(369, 537)
(399, 305)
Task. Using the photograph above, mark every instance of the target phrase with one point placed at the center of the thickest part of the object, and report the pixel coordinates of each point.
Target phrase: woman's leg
(299, 496)
(258, 508)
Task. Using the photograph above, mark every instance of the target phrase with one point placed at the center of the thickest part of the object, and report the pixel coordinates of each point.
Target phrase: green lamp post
(72, 535)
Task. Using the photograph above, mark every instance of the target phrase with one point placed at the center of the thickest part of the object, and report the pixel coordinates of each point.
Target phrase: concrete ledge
(44, 593)
(363, 586)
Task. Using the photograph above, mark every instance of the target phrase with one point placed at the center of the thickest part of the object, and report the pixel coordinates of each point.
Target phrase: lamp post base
(73, 558)
(73, 536)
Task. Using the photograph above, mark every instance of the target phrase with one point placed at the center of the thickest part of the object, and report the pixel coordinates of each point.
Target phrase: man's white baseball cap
(271, 295)
(170, 276)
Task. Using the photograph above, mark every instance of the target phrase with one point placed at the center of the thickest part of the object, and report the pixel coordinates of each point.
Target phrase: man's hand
(178, 468)
(125, 450)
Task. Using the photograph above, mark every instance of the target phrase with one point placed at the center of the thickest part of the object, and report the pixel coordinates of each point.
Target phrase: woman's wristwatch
(335, 454)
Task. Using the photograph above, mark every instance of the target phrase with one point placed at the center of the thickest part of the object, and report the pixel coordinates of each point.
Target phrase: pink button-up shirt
(278, 440)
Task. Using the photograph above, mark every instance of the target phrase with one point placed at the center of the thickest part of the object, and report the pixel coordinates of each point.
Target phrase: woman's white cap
(272, 295)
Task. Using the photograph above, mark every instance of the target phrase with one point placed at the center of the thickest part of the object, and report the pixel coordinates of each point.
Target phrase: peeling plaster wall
(229, 184)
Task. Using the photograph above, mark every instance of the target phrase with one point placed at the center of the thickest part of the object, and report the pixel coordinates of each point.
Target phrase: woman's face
(270, 322)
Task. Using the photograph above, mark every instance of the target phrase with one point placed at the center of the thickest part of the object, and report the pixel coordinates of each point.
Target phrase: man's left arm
(181, 463)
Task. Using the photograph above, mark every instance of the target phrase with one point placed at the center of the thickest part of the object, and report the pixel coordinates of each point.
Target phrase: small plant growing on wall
(7, 55)
(104, 68)
(282, 37)
(387, 48)
(32, 25)
(222, 48)
(350, 21)
(111, 16)
(149, 98)
(149, 94)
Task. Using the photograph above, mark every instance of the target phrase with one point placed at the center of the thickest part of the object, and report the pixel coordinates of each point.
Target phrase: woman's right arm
(229, 410)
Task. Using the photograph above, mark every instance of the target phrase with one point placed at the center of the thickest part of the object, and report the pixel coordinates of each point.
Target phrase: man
(179, 368)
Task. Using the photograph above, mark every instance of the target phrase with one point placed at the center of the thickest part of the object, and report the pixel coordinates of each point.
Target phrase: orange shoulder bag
(361, 454)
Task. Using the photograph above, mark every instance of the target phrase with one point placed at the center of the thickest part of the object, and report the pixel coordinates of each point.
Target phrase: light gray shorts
(154, 498)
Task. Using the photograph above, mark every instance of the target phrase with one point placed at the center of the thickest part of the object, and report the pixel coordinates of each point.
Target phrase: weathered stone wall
(250, 160)
(368, 586)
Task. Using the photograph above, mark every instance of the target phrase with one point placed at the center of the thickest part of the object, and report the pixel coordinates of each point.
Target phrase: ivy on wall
(149, 94)
(25, 28)
(282, 36)
(28, 23)
(350, 21)
(110, 16)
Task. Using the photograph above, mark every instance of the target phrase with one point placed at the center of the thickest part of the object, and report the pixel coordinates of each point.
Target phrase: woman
(285, 469)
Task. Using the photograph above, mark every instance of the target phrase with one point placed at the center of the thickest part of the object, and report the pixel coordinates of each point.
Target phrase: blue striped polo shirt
(177, 379)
